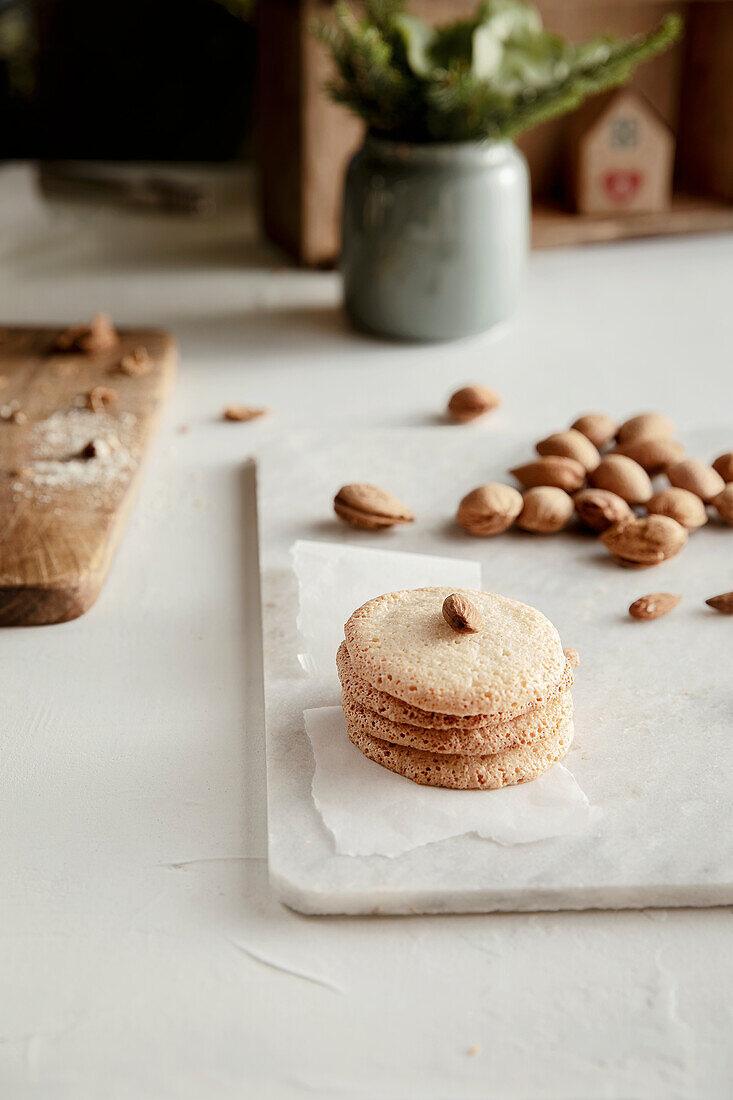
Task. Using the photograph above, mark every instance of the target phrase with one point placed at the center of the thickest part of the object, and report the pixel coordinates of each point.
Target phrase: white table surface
(141, 953)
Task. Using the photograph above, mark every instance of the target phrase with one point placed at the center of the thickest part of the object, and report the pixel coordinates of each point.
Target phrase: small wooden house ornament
(622, 156)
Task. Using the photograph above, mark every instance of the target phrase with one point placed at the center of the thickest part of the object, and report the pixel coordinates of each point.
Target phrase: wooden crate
(305, 140)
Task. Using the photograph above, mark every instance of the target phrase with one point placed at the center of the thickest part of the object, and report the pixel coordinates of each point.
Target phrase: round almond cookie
(400, 644)
(359, 691)
(530, 727)
(431, 769)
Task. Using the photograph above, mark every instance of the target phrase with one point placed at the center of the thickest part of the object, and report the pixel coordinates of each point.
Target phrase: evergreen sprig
(492, 76)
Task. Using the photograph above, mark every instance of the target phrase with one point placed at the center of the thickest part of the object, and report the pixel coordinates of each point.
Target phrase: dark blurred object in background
(141, 80)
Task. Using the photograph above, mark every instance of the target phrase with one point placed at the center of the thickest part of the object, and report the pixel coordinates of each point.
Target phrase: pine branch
(491, 77)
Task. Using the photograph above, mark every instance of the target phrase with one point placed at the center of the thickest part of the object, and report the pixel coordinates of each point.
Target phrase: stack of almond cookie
(456, 689)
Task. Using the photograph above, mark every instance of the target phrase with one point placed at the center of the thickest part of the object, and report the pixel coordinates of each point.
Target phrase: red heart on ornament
(622, 184)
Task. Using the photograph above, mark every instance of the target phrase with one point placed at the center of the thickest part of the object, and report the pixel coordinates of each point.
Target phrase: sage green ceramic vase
(435, 237)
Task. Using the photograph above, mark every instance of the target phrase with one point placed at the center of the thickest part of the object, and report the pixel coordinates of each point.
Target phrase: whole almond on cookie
(461, 615)
(563, 473)
(370, 507)
(624, 477)
(649, 425)
(571, 444)
(723, 603)
(647, 541)
(679, 504)
(653, 606)
(724, 466)
(597, 427)
(723, 504)
(697, 477)
(472, 401)
(490, 509)
(600, 509)
(654, 455)
(546, 510)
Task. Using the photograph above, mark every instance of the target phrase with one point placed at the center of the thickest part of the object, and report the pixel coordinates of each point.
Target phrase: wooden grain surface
(62, 515)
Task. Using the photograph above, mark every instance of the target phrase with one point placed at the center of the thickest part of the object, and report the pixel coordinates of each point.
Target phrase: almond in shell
(624, 477)
(679, 504)
(563, 473)
(490, 509)
(648, 425)
(696, 477)
(546, 510)
(369, 507)
(647, 541)
(600, 509)
(654, 454)
(723, 504)
(724, 466)
(597, 427)
(571, 444)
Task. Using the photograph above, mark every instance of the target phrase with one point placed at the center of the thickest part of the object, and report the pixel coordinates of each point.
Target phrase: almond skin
(723, 603)
(653, 606)
(649, 425)
(546, 510)
(600, 509)
(370, 507)
(570, 444)
(490, 509)
(653, 455)
(597, 427)
(624, 477)
(724, 466)
(472, 401)
(723, 504)
(646, 541)
(461, 615)
(697, 478)
(562, 473)
(678, 504)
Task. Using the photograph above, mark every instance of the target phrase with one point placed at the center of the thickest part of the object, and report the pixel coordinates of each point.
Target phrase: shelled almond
(471, 402)
(653, 606)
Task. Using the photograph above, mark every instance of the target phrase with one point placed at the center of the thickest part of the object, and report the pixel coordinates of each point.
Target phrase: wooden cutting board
(62, 514)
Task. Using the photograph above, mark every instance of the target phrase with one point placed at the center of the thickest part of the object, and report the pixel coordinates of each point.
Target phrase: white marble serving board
(654, 701)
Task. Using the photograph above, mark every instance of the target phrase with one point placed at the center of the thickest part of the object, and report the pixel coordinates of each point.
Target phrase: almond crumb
(474, 1050)
(19, 417)
(137, 363)
(99, 398)
(242, 413)
(98, 335)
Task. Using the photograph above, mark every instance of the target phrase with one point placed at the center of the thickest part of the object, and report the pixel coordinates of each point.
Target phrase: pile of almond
(601, 472)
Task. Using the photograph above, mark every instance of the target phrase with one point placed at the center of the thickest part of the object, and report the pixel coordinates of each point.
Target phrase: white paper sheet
(372, 811)
(368, 809)
(334, 580)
